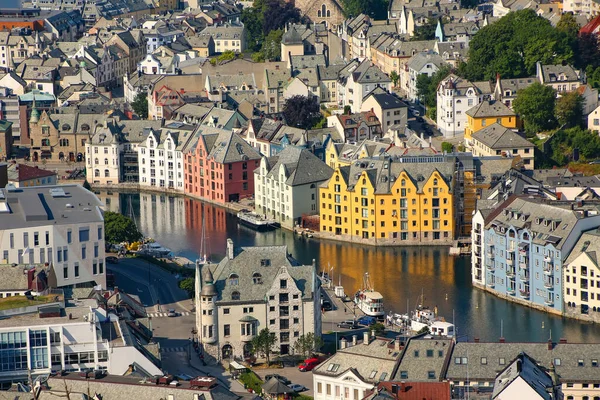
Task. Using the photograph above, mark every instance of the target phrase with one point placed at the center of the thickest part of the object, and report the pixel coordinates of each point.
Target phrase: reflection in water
(400, 274)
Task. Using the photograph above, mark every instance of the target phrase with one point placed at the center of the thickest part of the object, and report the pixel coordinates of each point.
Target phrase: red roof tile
(416, 390)
(592, 26)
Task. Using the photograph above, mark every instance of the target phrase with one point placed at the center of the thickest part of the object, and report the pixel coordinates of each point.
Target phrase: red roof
(416, 390)
(591, 27)
(25, 172)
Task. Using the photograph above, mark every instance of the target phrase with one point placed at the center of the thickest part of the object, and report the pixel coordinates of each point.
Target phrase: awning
(248, 318)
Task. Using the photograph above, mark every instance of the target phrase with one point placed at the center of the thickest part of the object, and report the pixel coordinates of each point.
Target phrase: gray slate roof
(302, 167)
(423, 355)
(487, 109)
(497, 137)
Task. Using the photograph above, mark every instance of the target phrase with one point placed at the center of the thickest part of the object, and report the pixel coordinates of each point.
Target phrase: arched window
(323, 10)
(85, 127)
(403, 182)
(106, 161)
(235, 296)
(337, 178)
(328, 13)
(234, 279)
(96, 161)
(319, 13)
(313, 186)
(257, 278)
(435, 182)
(97, 173)
(106, 173)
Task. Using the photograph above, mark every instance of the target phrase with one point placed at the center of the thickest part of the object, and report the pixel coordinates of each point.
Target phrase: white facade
(454, 98)
(161, 162)
(348, 386)
(71, 240)
(151, 65)
(103, 163)
(593, 120)
(477, 231)
(414, 69)
(352, 93)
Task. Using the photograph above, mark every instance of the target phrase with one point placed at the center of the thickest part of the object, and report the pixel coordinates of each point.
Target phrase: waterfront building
(286, 185)
(487, 113)
(22, 175)
(67, 337)
(455, 96)
(522, 245)
(356, 367)
(103, 155)
(496, 140)
(524, 378)
(425, 359)
(251, 289)
(381, 201)
(160, 156)
(219, 165)
(59, 225)
(576, 364)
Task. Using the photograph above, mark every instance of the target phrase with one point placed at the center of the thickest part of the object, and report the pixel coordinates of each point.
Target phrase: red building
(219, 166)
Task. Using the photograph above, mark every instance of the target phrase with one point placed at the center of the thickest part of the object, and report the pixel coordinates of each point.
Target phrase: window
(430, 374)
(283, 283)
(84, 234)
(483, 360)
(234, 280)
(235, 295)
(76, 270)
(226, 330)
(580, 363)
(403, 374)
(257, 278)
(501, 361)
(226, 311)
(429, 353)
(416, 353)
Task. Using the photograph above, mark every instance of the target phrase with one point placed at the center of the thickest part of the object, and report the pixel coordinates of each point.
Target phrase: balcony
(510, 261)
(549, 301)
(490, 254)
(524, 293)
(490, 266)
(549, 284)
(523, 265)
(510, 272)
(548, 271)
(547, 259)
(524, 275)
(511, 291)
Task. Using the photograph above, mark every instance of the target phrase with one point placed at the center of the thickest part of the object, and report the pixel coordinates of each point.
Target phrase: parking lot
(293, 374)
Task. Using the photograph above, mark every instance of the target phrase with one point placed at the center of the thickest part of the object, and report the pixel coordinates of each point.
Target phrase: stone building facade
(328, 11)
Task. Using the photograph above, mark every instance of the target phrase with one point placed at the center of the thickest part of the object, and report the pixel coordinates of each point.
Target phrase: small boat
(154, 249)
(255, 221)
(423, 317)
(368, 300)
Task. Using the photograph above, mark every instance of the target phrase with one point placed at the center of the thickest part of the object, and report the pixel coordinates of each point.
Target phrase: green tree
(395, 78)
(263, 343)
(86, 185)
(535, 106)
(119, 228)
(140, 105)
(424, 329)
(512, 46)
(347, 110)
(427, 86)
(378, 327)
(308, 344)
(271, 48)
(189, 285)
(447, 147)
(587, 51)
(569, 109)
(301, 111)
(375, 9)
(252, 18)
(568, 25)
(425, 31)
(226, 56)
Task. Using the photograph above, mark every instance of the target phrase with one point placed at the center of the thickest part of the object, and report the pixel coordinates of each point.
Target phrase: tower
(35, 114)
(206, 309)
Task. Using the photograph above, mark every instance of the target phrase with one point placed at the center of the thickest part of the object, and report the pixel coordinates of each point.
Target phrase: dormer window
(234, 280)
(265, 262)
(235, 295)
(257, 278)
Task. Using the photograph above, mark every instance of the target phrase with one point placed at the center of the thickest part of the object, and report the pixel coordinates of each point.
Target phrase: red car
(309, 364)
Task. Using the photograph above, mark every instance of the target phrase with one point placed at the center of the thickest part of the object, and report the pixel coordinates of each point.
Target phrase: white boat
(255, 221)
(423, 317)
(368, 300)
(155, 250)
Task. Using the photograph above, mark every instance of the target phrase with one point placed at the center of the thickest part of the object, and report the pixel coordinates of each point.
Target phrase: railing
(524, 276)
(510, 272)
(510, 261)
(549, 301)
(548, 271)
(524, 293)
(510, 290)
(548, 259)
(548, 284)
(523, 265)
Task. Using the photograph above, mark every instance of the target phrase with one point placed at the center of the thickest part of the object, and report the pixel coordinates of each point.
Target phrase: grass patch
(251, 381)
(9, 303)
(584, 168)
(299, 396)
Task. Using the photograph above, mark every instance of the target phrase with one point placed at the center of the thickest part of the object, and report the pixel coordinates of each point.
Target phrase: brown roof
(411, 391)
(22, 172)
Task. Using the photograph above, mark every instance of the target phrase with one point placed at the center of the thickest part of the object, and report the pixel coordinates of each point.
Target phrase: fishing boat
(423, 317)
(255, 221)
(368, 300)
(155, 249)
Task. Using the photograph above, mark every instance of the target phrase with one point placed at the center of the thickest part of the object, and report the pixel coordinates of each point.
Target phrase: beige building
(581, 278)
(562, 78)
(496, 140)
(389, 109)
(593, 120)
(251, 289)
(227, 37)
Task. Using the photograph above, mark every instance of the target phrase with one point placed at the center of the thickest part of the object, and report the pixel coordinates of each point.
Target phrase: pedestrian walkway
(180, 349)
(166, 314)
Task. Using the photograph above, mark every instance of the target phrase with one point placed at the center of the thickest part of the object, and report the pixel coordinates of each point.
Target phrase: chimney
(230, 249)
(402, 387)
(397, 343)
(353, 340)
(562, 341)
(343, 343)
(373, 334)
(366, 338)
(476, 340)
(550, 345)
(502, 340)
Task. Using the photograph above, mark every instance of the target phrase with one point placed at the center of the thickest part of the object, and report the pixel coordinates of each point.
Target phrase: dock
(184, 262)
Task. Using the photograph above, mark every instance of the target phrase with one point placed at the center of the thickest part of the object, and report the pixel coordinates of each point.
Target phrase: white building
(102, 155)
(593, 120)
(356, 368)
(286, 185)
(357, 80)
(525, 379)
(426, 63)
(59, 225)
(161, 158)
(455, 96)
(251, 289)
(78, 339)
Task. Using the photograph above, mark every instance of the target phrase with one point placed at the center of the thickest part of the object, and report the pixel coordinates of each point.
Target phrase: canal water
(401, 274)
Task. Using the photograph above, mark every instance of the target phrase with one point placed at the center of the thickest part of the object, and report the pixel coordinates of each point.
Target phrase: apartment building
(486, 113)
(562, 78)
(59, 225)
(102, 155)
(227, 37)
(524, 245)
(496, 140)
(254, 288)
(391, 112)
(378, 200)
(426, 63)
(286, 186)
(357, 80)
(23, 175)
(455, 96)
(218, 165)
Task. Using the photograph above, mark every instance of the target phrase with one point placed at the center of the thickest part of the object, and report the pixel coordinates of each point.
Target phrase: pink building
(219, 166)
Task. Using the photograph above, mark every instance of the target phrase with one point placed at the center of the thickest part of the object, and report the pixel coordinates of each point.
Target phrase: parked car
(296, 387)
(327, 305)
(349, 324)
(112, 260)
(309, 364)
(172, 313)
(280, 378)
(366, 320)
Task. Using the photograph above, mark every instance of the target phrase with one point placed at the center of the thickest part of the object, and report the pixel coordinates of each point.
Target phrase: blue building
(525, 243)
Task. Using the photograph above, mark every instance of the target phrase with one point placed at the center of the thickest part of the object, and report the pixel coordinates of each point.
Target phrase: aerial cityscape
(300, 200)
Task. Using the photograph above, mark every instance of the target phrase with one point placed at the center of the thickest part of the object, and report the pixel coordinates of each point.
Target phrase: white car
(296, 387)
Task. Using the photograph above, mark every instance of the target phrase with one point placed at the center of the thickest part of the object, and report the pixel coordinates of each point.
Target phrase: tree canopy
(140, 105)
(375, 9)
(266, 16)
(263, 343)
(301, 111)
(427, 89)
(535, 106)
(119, 228)
(512, 46)
(307, 344)
(425, 31)
(569, 109)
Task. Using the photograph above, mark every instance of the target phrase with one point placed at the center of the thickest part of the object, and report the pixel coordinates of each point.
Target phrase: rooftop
(496, 136)
(23, 172)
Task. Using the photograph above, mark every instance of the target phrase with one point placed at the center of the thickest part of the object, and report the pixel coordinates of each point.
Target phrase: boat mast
(203, 257)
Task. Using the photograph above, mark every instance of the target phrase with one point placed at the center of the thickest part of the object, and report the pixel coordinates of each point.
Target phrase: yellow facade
(409, 212)
(476, 123)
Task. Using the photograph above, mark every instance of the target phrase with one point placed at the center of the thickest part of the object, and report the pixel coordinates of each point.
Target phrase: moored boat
(421, 318)
(368, 300)
(154, 249)
(255, 221)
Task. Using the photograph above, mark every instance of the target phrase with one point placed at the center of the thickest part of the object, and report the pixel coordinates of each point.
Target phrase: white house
(59, 225)
(357, 80)
(455, 96)
(525, 379)
(103, 155)
(286, 185)
(425, 63)
(155, 64)
(161, 158)
(593, 120)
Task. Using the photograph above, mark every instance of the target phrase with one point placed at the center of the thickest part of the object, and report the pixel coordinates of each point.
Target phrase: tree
(189, 285)
(447, 147)
(378, 327)
(86, 185)
(395, 78)
(278, 13)
(587, 52)
(263, 343)
(514, 44)
(301, 111)
(427, 86)
(568, 25)
(308, 344)
(375, 9)
(271, 48)
(226, 56)
(425, 31)
(424, 329)
(252, 18)
(140, 105)
(569, 109)
(119, 228)
(535, 106)
(347, 110)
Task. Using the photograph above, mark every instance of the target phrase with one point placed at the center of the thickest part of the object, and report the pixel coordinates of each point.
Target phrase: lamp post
(189, 349)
